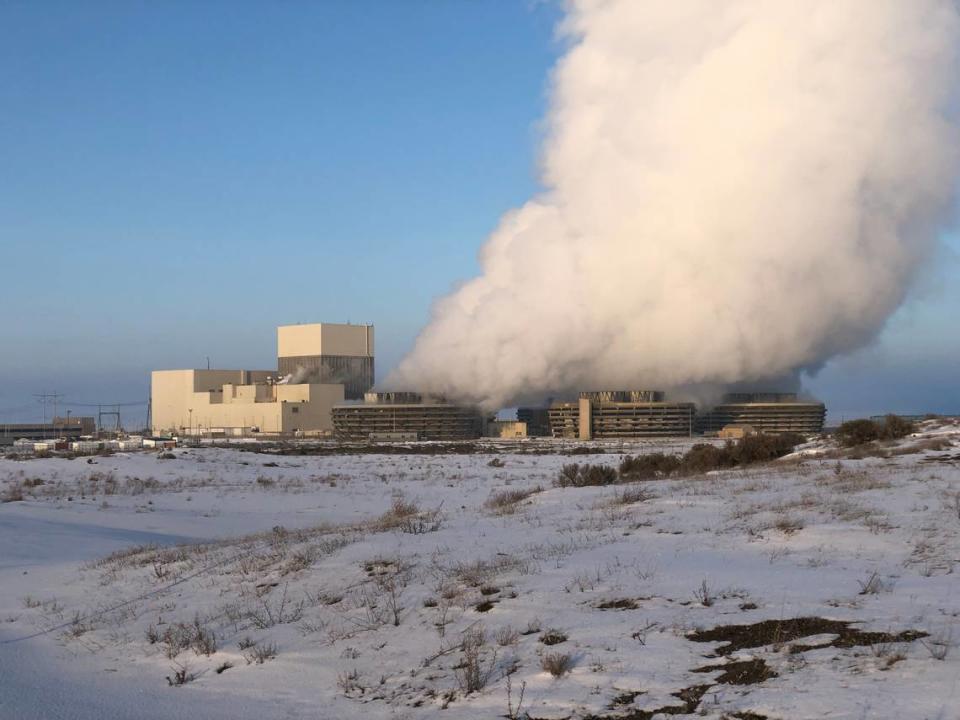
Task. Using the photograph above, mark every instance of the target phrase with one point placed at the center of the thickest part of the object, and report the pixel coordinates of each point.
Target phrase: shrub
(507, 635)
(857, 432)
(472, 675)
(177, 637)
(576, 475)
(704, 457)
(409, 518)
(557, 664)
(259, 654)
(895, 427)
(204, 640)
(762, 448)
(874, 584)
(646, 467)
(153, 635)
(506, 501)
(14, 493)
(704, 595)
(181, 675)
(553, 637)
(632, 495)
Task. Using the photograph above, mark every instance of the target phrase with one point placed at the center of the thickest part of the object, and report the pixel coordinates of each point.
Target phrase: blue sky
(178, 178)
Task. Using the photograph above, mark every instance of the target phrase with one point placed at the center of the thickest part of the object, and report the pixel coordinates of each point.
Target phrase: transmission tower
(114, 413)
(43, 399)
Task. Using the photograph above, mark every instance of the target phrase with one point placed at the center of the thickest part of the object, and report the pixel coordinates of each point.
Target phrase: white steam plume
(734, 190)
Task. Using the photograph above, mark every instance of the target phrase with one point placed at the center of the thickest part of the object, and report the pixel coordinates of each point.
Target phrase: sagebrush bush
(259, 654)
(649, 466)
(13, 493)
(557, 664)
(471, 673)
(576, 475)
(858, 432)
(762, 448)
(506, 501)
(553, 637)
(895, 427)
(704, 457)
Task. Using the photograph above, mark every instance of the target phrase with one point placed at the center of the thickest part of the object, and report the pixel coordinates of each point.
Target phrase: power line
(102, 404)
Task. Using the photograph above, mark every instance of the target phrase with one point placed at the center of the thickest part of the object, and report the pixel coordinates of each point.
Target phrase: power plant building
(71, 428)
(764, 412)
(406, 416)
(615, 414)
(295, 399)
(537, 420)
(325, 353)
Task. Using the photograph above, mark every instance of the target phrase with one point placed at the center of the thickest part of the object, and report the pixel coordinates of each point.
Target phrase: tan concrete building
(319, 364)
(393, 414)
(613, 414)
(506, 429)
(328, 353)
(238, 402)
(765, 412)
(735, 432)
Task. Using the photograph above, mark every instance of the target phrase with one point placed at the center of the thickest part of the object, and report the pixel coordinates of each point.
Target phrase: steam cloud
(733, 191)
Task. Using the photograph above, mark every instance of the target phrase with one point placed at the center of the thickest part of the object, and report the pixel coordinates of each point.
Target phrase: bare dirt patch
(774, 632)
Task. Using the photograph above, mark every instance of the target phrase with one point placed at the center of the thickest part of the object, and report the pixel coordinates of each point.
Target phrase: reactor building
(318, 366)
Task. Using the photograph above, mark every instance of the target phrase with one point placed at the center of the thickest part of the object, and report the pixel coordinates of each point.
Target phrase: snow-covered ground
(410, 586)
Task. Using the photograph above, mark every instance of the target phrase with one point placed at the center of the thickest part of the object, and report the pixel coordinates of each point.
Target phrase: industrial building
(646, 413)
(70, 428)
(316, 365)
(764, 412)
(621, 414)
(328, 353)
(506, 429)
(537, 420)
(405, 416)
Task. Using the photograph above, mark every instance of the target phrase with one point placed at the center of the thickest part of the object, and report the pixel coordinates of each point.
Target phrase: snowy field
(231, 584)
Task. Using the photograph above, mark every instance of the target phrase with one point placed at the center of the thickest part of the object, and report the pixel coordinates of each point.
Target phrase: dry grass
(873, 584)
(788, 524)
(472, 672)
(505, 502)
(13, 493)
(409, 518)
(259, 654)
(847, 481)
(507, 636)
(553, 637)
(557, 664)
(631, 495)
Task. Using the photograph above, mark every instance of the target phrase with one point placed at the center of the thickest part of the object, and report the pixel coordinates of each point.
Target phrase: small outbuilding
(735, 432)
